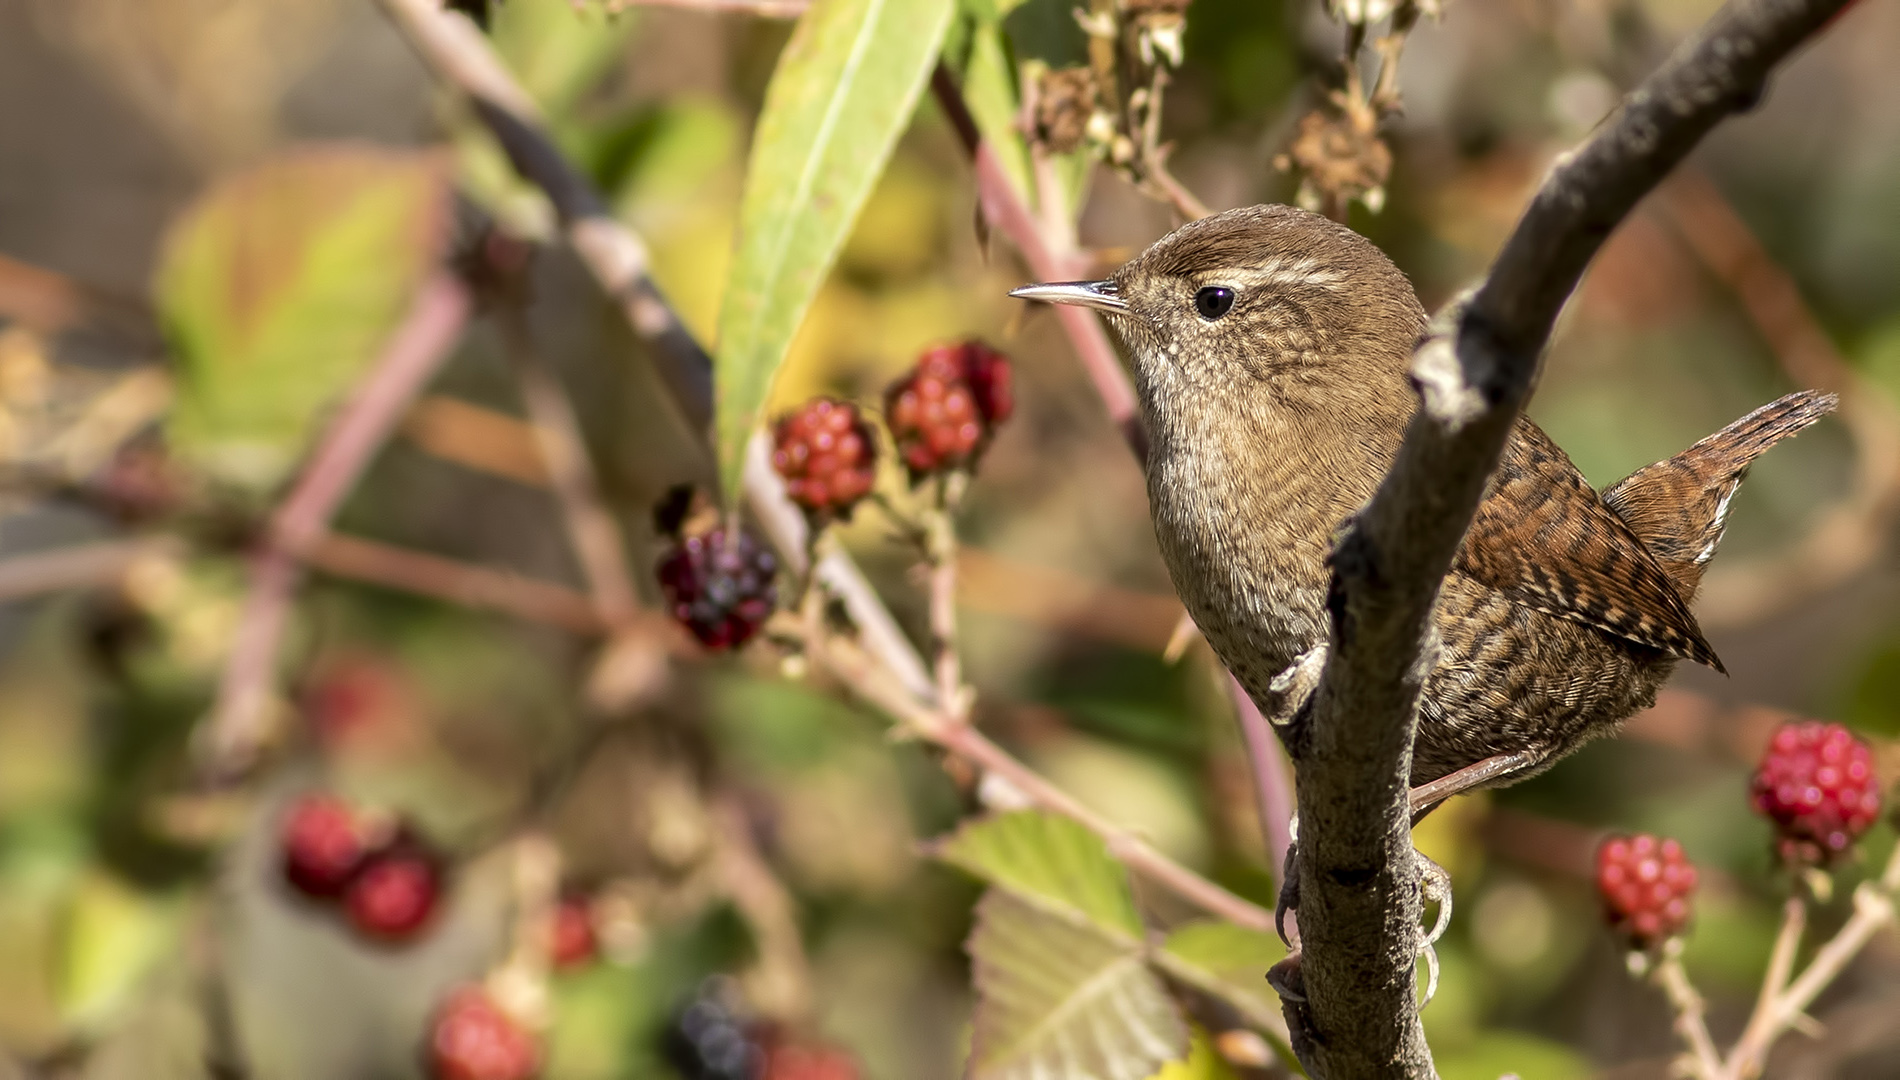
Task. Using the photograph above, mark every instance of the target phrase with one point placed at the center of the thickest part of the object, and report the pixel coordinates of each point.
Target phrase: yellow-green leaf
(842, 92)
(276, 288)
(1051, 862)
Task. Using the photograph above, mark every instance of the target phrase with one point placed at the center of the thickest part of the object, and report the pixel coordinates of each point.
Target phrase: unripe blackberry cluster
(827, 455)
(942, 413)
(1816, 783)
(388, 883)
(1646, 884)
(474, 1038)
(720, 586)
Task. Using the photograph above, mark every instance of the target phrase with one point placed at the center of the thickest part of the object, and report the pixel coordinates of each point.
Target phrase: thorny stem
(856, 669)
(1691, 1013)
(941, 557)
(239, 720)
(1794, 922)
(1873, 909)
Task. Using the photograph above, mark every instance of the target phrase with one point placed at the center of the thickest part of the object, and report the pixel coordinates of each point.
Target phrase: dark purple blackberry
(722, 590)
(708, 1041)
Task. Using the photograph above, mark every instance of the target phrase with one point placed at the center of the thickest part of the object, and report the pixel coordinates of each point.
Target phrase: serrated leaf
(843, 90)
(1059, 999)
(276, 288)
(1230, 962)
(1051, 862)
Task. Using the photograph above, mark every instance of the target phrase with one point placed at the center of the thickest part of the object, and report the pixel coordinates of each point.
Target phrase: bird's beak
(1100, 295)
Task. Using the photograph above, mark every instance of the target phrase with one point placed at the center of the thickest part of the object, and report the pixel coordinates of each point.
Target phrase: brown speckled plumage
(1272, 423)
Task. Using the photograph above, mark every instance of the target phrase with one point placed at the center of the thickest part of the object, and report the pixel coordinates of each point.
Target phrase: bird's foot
(1434, 886)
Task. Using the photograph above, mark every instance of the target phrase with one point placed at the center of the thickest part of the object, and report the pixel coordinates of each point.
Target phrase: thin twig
(409, 359)
(591, 527)
(76, 566)
(1794, 922)
(1873, 909)
(458, 582)
(1272, 776)
(941, 558)
(455, 50)
(856, 669)
(1691, 1015)
(1005, 211)
(783, 987)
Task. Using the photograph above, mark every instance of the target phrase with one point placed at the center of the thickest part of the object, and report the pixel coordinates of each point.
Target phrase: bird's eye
(1213, 301)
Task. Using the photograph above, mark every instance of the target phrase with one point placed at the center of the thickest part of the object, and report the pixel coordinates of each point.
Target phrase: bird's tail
(1679, 507)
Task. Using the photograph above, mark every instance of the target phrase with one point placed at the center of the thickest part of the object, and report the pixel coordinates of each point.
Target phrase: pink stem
(240, 719)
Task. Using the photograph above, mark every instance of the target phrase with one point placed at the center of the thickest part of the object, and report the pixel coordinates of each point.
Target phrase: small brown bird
(1270, 349)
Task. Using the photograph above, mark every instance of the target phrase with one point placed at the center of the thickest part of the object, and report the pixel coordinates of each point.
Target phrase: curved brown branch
(1357, 875)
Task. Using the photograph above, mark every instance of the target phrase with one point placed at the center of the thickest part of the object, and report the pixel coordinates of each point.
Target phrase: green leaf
(990, 90)
(111, 938)
(1051, 862)
(1059, 999)
(844, 88)
(1231, 962)
(276, 289)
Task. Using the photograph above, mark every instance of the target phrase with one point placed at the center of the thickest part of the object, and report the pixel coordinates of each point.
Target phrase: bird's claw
(1434, 886)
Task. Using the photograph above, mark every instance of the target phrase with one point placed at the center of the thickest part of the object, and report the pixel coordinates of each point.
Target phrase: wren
(1270, 349)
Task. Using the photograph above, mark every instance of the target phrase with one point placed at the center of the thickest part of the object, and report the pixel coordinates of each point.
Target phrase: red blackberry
(574, 942)
(1817, 784)
(1645, 884)
(395, 894)
(473, 1039)
(707, 1040)
(722, 590)
(323, 845)
(827, 455)
(942, 414)
(787, 1060)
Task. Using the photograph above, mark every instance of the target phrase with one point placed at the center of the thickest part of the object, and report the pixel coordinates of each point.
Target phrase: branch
(457, 582)
(76, 566)
(1691, 1015)
(861, 672)
(1873, 909)
(456, 52)
(240, 719)
(1357, 877)
(1049, 259)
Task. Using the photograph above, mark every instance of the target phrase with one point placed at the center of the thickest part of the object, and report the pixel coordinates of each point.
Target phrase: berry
(1817, 784)
(357, 697)
(473, 1039)
(827, 455)
(1645, 884)
(721, 589)
(323, 846)
(786, 1060)
(574, 942)
(394, 894)
(943, 413)
(707, 1041)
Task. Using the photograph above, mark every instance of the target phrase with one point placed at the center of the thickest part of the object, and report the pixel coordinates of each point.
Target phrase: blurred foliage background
(142, 918)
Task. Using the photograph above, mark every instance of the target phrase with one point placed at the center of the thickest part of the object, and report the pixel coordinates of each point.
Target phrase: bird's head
(1262, 305)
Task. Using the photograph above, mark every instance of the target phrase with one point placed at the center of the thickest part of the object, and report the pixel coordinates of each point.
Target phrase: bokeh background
(142, 919)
